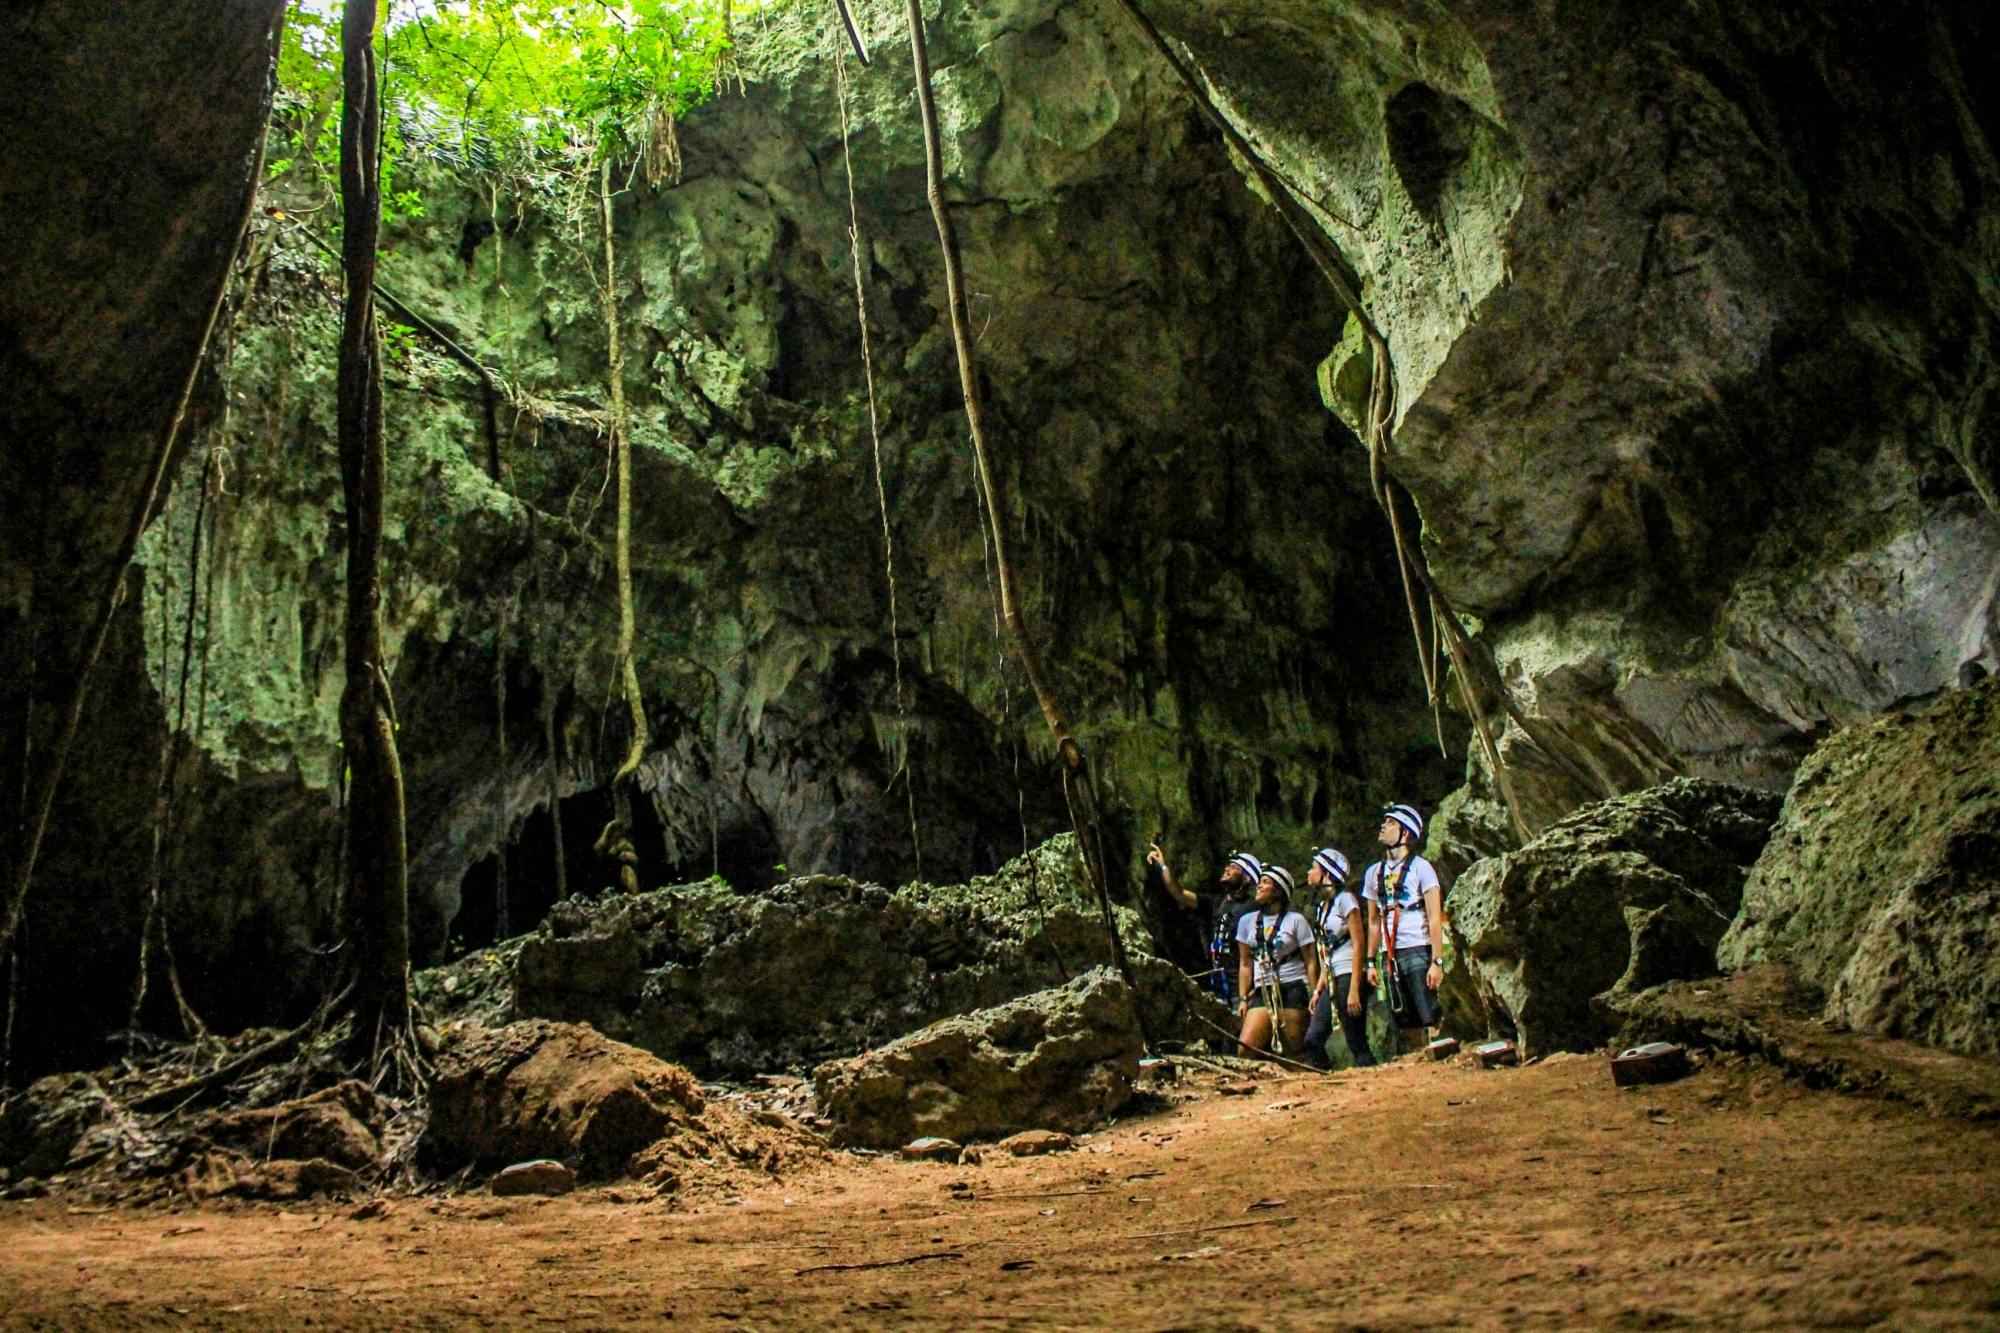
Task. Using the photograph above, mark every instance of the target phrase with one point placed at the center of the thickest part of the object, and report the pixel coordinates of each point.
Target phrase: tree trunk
(378, 907)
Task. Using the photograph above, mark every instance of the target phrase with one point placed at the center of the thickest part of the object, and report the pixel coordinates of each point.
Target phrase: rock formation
(1691, 357)
(1693, 350)
(1063, 1059)
(560, 1090)
(1621, 895)
(1881, 883)
(821, 966)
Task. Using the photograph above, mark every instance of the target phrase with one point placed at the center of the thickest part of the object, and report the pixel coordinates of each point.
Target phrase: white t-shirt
(1287, 937)
(1413, 926)
(1332, 920)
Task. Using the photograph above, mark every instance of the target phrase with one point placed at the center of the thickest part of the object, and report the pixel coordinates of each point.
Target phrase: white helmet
(1251, 867)
(1407, 816)
(1333, 863)
(1282, 878)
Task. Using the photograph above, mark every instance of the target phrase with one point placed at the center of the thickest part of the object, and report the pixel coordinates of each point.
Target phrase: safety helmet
(1407, 816)
(1333, 863)
(1282, 878)
(1249, 865)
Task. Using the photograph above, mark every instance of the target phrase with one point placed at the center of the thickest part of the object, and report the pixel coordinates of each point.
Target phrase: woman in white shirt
(1277, 967)
(1343, 991)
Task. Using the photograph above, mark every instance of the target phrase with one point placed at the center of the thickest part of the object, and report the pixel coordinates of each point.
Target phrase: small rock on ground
(931, 1149)
(540, 1177)
(1037, 1142)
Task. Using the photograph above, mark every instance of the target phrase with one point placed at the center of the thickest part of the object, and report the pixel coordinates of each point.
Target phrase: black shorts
(1291, 995)
(1415, 1004)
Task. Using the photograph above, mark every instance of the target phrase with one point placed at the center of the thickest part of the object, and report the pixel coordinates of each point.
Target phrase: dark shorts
(1291, 995)
(1419, 1003)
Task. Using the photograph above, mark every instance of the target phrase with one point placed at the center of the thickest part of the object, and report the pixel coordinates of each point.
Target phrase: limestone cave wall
(1693, 320)
(1693, 325)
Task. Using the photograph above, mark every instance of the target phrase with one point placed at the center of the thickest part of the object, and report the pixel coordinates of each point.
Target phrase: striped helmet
(1252, 868)
(1282, 878)
(1333, 863)
(1407, 816)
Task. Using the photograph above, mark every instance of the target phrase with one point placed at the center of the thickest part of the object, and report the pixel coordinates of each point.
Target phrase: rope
(875, 440)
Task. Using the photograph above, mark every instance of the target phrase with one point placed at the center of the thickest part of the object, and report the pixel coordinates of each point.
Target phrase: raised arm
(1155, 857)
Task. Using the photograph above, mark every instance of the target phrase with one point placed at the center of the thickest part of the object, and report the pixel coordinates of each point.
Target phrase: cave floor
(1410, 1196)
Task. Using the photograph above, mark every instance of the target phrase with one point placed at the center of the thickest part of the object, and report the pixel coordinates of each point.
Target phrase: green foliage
(500, 87)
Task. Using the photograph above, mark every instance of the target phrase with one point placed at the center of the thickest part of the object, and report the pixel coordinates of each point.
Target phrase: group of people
(1291, 976)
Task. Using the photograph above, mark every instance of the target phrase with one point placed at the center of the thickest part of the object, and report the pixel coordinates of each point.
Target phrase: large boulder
(820, 966)
(1623, 894)
(1881, 883)
(40, 1124)
(342, 1125)
(1767, 1012)
(560, 1090)
(1062, 1059)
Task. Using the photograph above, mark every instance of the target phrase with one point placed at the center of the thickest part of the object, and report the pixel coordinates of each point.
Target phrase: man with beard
(1220, 911)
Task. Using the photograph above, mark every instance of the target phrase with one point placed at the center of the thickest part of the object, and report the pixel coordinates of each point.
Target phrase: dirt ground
(1406, 1197)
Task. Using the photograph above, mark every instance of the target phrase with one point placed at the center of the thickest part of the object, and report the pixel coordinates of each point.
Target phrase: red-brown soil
(1411, 1197)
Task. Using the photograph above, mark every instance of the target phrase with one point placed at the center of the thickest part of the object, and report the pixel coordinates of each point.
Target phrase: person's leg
(1294, 1021)
(1420, 1003)
(1319, 1030)
(1256, 1033)
(1293, 1017)
(1354, 1026)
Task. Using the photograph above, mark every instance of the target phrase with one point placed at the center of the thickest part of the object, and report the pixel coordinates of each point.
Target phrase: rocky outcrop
(1693, 363)
(561, 1091)
(342, 1125)
(1767, 1012)
(1624, 894)
(40, 1124)
(1881, 883)
(820, 966)
(129, 143)
(539, 1089)
(1063, 1059)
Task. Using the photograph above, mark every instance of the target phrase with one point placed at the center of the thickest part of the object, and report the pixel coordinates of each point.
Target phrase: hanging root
(1079, 783)
(1377, 424)
(875, 439)
(500, 786)
(621, 446)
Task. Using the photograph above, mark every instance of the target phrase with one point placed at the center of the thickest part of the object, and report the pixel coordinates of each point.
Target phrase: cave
(956, 486)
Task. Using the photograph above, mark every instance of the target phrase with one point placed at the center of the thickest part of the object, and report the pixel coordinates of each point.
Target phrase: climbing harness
(1221, 953)
(1326, 937)
(1270, 988)
(1392, 912)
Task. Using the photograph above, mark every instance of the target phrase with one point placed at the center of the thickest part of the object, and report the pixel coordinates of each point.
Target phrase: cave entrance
(747, 857)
